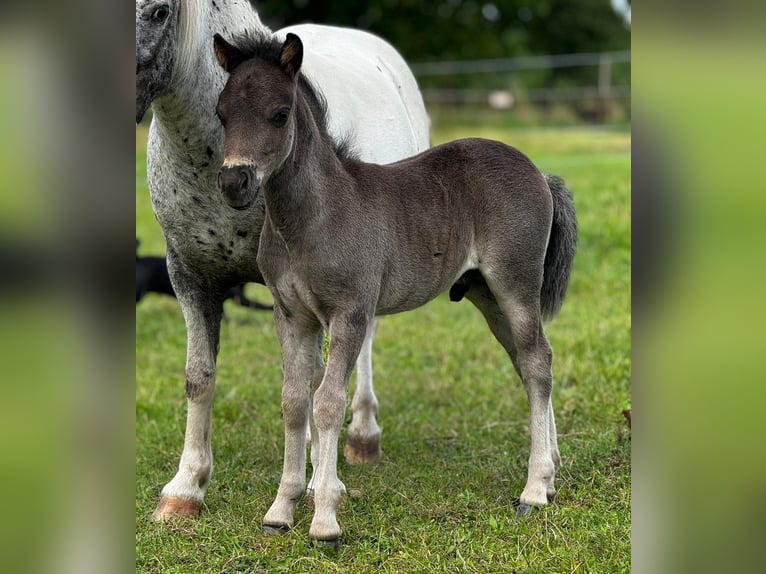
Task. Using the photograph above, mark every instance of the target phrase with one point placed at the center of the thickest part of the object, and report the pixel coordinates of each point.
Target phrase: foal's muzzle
(239, 185)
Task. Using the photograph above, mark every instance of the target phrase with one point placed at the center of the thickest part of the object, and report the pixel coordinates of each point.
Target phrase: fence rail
(478, 96)
(506, 98)
(517, 64)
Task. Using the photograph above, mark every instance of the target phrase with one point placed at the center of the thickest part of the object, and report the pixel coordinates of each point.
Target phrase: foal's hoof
(170, 508)
(362, 451)
(523, 510)
(331, 545)
(275, 529)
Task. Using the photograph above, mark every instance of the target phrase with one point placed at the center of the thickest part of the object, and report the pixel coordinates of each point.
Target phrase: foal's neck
(298, 198)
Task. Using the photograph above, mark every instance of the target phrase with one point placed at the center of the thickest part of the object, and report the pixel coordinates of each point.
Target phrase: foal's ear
(227, 55)
(291, 55)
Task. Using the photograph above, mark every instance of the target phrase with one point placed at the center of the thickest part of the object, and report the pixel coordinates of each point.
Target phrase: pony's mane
(192, 23)
(196, 24)
(266, 47)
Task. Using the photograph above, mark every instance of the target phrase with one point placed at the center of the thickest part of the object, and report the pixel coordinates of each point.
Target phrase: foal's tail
(561, 248)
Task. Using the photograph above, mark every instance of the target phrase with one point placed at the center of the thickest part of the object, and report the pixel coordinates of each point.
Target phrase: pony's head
(157, 25)
(170, 40)
(257, 111)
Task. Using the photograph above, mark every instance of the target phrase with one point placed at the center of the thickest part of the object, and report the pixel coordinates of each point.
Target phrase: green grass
(454, 417)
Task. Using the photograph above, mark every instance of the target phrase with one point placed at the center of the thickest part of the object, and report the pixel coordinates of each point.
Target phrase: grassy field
(454, 416)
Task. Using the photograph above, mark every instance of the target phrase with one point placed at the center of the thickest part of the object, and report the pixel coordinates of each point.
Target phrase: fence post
(604, 87)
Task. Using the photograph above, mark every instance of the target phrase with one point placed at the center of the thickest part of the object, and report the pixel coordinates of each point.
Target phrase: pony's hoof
(523, 510)
(328, 545)
(171, 508)
(362, 451)
(275, 529)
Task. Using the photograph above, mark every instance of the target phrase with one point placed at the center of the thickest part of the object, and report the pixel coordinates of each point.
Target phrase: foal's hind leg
(518, 328)
(554, 446)
(363, 438)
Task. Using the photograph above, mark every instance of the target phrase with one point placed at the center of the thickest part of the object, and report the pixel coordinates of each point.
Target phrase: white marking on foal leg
(551, 492)
(535, 364)
(541, 467)
(363, 439)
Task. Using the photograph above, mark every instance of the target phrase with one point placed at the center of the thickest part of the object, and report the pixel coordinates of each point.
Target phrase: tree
(438, 30)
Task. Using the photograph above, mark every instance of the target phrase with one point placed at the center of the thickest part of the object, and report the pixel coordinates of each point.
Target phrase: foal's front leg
(298, 339)
(347, 332)
(363, 435)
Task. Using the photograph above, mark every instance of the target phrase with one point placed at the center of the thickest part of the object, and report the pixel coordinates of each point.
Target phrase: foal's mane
(267, 47)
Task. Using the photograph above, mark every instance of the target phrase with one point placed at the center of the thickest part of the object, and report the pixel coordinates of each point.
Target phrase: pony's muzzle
(239, 185)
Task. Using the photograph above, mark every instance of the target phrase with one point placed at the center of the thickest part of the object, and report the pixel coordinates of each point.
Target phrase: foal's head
(256, 108)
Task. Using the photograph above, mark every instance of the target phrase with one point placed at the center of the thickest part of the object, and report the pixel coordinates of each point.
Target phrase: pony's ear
(291, 55)
(227, 55)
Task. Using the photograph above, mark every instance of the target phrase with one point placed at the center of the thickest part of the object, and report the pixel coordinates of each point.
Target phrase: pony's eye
(160, 13)
(280, 118)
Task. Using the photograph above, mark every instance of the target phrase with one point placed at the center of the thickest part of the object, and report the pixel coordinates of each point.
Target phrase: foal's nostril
(244, 179)
(234, 180)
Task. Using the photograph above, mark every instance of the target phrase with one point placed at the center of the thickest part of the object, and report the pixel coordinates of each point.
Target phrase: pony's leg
(363, 435)
(519, 329)
(298, 340)
(183, 495)
(347, 334)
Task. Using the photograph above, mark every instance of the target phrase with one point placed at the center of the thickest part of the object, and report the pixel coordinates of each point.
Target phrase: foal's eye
(160, 13)
(280, 118)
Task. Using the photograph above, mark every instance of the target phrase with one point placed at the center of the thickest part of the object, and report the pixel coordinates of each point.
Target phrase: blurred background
(556, 62)
(506, 62)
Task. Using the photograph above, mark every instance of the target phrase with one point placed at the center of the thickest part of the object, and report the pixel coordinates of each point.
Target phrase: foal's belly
(412, 284)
